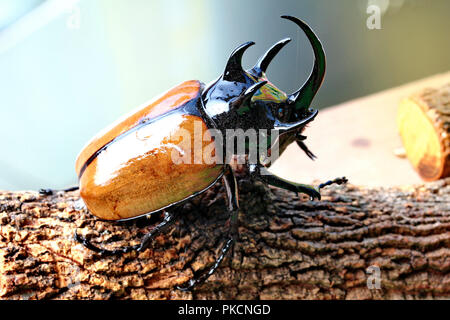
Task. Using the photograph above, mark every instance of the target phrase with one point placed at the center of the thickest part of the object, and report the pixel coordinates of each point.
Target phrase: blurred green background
(69, 68)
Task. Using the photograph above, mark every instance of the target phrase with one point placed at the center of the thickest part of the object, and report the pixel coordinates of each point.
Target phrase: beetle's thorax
(223, 103)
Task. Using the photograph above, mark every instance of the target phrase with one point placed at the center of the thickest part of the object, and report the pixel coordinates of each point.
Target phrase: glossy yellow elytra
(127, 170)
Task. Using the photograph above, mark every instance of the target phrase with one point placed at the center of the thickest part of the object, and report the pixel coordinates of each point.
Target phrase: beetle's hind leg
(169, 219)
(233, 208)
(49, 192)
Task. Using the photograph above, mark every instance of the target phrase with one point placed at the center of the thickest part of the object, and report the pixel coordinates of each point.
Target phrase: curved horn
(303, 97)
(264, 61)
(233, 70)
(248, 94)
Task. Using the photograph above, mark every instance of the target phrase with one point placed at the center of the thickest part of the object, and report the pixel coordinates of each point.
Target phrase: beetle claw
(315, 195)
(341, 180)
(189, 287)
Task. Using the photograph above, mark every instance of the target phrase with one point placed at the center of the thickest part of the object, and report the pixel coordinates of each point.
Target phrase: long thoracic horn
(303, 97)
(264, 61)
(233, 70)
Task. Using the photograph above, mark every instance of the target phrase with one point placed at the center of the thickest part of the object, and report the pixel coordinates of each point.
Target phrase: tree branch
(289, 247)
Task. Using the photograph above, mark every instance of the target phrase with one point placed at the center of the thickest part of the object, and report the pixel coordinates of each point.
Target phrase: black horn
(263, 62)
(303, 97)
(233, 70)
(248, 94)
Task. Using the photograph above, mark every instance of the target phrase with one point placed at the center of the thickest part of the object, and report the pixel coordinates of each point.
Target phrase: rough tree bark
(289, 247)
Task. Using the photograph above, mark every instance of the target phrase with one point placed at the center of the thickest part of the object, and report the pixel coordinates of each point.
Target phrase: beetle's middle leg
(169, 219)
(233, 208)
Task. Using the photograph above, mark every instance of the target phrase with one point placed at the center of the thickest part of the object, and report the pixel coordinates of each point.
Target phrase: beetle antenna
(306, 150)
(233, 70)
(264, 61)
(303, 97)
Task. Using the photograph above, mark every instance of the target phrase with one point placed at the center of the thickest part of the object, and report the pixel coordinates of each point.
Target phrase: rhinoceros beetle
(128, 170)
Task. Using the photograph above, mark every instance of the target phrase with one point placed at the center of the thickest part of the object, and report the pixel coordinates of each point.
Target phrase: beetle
(128, 170)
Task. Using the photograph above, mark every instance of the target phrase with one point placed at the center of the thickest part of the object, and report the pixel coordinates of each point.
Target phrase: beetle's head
(246, 90)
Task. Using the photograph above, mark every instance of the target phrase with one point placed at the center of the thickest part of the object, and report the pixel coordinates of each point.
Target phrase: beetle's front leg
(258, 171)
